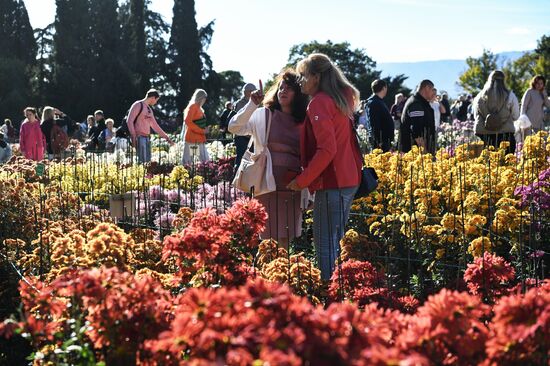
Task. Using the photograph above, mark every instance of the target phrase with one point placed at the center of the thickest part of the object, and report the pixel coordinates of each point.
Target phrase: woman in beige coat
(533, 102)
(497, 100)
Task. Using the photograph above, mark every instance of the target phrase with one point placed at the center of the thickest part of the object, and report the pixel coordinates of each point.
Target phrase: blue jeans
(330, 215)
(144, 149)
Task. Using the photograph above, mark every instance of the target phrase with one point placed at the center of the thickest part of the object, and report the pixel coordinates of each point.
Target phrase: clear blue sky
(255, 36)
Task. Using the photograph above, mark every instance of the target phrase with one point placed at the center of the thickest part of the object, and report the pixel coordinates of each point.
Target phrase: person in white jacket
(284, 106)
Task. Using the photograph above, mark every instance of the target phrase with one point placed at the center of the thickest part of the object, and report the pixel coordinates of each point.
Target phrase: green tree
(542, 66)
(72, 66)
(133, 16)
(473, 79)
(519, 73)
(17, 58)
(358, 67)
(184, 53)
(144, 39)
(231, 82)
(112, 79)
(42, 73)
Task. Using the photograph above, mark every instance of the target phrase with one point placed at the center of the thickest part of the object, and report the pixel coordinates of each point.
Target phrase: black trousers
(241, 142)
(496, 138)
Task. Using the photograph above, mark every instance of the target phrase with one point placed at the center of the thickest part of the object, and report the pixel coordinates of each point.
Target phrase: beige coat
(509, 113)
(532, 104)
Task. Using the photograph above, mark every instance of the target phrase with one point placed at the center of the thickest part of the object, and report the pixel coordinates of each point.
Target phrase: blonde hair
(198, 95)
(331, 81)
(48, 113)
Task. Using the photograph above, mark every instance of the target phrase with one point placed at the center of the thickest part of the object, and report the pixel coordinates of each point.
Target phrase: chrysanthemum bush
(105, 303)
(217, 249)
(131, 319)
(443, 211)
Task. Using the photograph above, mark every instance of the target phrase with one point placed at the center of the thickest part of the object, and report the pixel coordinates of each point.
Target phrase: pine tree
(17, 58)
(184, 52)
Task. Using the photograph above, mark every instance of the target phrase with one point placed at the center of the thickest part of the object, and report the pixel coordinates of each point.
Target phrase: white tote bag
(251, 174)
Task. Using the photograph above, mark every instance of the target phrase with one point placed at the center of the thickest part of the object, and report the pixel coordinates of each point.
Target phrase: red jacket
(329, 154)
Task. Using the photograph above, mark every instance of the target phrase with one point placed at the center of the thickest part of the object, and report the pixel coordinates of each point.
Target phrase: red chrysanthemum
(520, 329)
(363, 284)
(489, 276)
(245, 220)
(447, 329)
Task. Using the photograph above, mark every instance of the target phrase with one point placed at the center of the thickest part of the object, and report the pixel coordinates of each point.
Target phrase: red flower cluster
(489, 276)
(245, 220)
(520, 329)
(264, 323)
(217, 249)
(363, 284)
(122, 310)
(133, 320)
(448, 329)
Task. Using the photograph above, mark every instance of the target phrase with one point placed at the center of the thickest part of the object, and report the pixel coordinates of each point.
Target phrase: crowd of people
(305, 125)
(495, 111)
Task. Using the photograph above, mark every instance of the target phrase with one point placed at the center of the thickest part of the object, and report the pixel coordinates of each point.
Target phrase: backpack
(59, 140)
(493, 121)
(123, 131)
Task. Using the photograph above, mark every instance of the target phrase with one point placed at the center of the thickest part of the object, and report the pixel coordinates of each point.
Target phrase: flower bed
(442, 265)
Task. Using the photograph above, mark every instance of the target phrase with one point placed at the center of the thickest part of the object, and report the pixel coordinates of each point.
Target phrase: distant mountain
(444, 73)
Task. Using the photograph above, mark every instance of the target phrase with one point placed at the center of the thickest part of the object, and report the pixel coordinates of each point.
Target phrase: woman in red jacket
(331, 160)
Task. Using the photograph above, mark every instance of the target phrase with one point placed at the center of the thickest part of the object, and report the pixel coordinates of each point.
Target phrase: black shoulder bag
(369, 178)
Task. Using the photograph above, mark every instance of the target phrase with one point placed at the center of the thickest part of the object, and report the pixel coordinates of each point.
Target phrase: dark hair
(377, 85)
(152, 93)
(424, 83)
(300, 101)
(32, 110)
(537, 78)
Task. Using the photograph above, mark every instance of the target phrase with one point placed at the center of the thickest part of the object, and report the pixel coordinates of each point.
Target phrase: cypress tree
(137, 45)
(42, 73)
(184, 52)
(145, 46)
(111, 81)
(73, 58)
(17, 58)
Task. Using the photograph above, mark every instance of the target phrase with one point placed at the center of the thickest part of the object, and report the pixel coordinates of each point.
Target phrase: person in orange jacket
(194, 136)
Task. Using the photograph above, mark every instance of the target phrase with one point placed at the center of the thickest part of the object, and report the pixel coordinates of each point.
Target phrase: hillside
(444, 73)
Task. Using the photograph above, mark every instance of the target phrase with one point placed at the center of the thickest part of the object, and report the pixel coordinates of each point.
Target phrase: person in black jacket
(417, 121)
(379, 122)
(226, 115)
(241, 142)
(445, 117)
(51, 116)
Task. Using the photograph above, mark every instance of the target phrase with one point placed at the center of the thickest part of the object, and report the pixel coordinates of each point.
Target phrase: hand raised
(257, 97)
